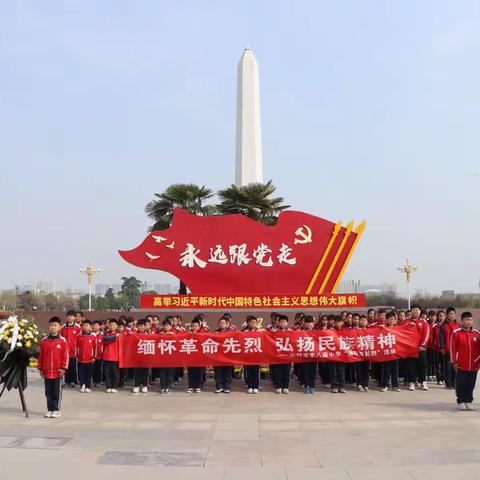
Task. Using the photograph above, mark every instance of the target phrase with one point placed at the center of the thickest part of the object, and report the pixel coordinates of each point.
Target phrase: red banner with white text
(254, 348)
(267, 301)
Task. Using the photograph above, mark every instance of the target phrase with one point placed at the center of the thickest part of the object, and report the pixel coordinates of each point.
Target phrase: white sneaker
(462, 406)
(365, 389)
(397, 389)
(411, 387)
(285, 390)
(113, 390)
(278, 390)
(250, 390)
(360, 388)
(136, 390)
(198, 390)
(56, 414)
(384, 389)
(424, 386)
(255, 390)
(48, 415)
(469, 407)
(82, 389)
(88, 390)
(219, 390)
(108, 390)
(144, 389)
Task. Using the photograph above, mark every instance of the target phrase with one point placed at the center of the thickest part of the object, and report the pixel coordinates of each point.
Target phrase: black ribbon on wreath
(13, 371)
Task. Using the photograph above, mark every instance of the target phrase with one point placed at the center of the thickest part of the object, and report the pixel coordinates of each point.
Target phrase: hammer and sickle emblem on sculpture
(305, 234)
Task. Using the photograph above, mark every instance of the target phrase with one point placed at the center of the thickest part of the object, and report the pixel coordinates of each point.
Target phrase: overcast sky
(369, 110)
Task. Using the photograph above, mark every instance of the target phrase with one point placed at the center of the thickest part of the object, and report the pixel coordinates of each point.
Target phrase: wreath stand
(13, 374)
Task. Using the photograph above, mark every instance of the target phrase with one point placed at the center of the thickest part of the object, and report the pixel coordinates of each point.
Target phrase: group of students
(85, 353)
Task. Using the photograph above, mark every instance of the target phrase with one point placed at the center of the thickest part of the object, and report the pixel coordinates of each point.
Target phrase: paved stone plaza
(392, 436)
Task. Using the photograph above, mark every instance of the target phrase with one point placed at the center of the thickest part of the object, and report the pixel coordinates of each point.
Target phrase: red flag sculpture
(233, 254)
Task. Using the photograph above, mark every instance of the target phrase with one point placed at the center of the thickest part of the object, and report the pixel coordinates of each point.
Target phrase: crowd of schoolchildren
(85, 353)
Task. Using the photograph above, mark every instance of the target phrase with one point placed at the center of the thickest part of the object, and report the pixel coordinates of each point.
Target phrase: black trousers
(337, 374)
(85, 373)
(53, 392)
(166, 377)
(140, 376)
(155, 374)
(389, 374)
(430, 362)
(111, 373)
(281, 373)
(362, 373)
(97, 371)
(465, 386)
(71, 373)
(450, 372)
(122, 374)
(309, 373)
(324, 372)
(416, 368)
(439, 367)
(350, 372)
(272, 373)
(223, 377)
(252, 376)
(195, 377)
(421, 366)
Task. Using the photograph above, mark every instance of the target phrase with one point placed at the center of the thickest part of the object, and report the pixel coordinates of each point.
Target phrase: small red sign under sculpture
(232, 254)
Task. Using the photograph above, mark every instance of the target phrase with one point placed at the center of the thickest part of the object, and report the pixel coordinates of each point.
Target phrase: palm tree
(253, 200)
(189, 197)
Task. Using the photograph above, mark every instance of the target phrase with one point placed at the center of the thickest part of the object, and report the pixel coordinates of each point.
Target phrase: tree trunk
(183, 289)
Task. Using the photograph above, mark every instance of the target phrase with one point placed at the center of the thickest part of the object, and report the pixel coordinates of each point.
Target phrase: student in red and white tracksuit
(465, 355)
(52, 364)
(110, 356)
(416, 367)
(98, 363)
(451, 325)
(86, 350)
(70, 332)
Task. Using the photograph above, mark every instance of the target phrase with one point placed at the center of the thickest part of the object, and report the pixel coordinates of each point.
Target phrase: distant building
(468, 296)
(448, 293)
(348, 286)
(164, 288)
(355, 286)
(46, 286)
(101, 288)
(381, 288)
(24, 288)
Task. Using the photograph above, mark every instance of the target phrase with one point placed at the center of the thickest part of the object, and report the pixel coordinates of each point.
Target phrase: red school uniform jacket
(53, 356)
(110, 346)
(70, 333)
(465, 349)
(450, 327)
(423, 329)
(99, 346)
(86, 348)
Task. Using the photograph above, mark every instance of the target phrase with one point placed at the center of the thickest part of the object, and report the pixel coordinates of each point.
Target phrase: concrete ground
(393, 436)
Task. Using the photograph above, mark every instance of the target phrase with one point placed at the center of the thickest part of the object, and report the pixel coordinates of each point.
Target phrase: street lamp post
(90, 271)
(408, 269)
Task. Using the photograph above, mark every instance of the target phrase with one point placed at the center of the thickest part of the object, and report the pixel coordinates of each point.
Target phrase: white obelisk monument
(248, 161)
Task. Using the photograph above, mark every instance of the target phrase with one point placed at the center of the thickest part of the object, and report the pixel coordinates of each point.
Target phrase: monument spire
(248, 161)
